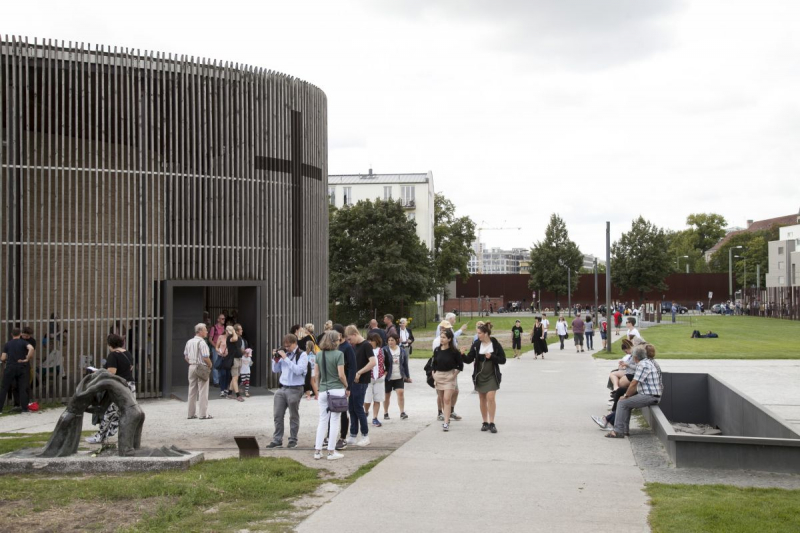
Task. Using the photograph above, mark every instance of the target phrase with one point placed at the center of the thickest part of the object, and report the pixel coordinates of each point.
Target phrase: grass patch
(237, 492)
(10, 442)
(362, 470)
(637, 414)
(740, 337)
(722, 508)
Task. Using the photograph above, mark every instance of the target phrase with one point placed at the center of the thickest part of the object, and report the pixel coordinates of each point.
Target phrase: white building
(497, 261)
(414, 191)
(784, 258)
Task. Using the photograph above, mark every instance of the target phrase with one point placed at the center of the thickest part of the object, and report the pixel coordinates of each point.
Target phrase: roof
(758, 225)
(347, 179)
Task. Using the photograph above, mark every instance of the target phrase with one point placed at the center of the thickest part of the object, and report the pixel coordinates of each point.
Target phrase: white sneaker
(363, 442)
(335, 455)
(94, 440)
(317, 455)
(350, 440)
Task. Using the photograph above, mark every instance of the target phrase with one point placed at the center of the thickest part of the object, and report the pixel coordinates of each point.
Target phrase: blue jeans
(589, 340)
(356, 409)
(224, 379)
(214, 372)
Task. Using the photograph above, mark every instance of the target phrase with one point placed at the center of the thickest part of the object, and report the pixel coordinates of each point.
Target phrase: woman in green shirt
(330, 380)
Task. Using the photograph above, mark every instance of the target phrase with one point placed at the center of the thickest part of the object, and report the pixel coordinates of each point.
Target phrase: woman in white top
(561, 331)
(632, 332)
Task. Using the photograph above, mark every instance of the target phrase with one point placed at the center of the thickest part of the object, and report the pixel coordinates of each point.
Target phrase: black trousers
(16, 376)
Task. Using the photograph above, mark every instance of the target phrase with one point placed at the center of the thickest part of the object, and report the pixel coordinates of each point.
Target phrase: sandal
(192, 417)
(207, 417)
(239, 399)
(613, 435)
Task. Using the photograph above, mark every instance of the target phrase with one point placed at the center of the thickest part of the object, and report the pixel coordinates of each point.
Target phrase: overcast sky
(596, 110)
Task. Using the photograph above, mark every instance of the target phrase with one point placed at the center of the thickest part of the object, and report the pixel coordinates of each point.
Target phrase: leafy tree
(708, 229)
(683, 243)
(551, 258)
(755, 249)
(376, 258)
(640, 259)
(452, 237)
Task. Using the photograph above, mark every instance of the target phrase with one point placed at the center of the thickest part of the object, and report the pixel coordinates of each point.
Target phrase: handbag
(336, 404)
(201, 369)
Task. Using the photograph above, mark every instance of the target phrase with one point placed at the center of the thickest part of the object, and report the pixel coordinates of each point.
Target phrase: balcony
(408, 204)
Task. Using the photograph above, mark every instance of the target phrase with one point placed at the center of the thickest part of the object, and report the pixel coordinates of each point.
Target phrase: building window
(332, 195)
(781, 281)
(780, 250)
(407, 195)
(411, 216)
(780, 265)
(348, 196)
(387, 192)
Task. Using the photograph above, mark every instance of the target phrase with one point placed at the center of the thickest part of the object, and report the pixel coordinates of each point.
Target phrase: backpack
(429, 372)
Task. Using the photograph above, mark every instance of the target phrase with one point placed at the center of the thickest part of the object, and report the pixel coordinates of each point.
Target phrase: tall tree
(708, 229)
(684, 243)
(553, 257)
(754, 249)
(376, 258)
(452, 237)
(640, 259)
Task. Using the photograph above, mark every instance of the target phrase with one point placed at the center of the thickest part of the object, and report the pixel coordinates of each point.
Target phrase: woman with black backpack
(488, 355)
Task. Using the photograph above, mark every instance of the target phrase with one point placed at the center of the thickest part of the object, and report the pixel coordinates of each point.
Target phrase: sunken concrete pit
(753, 437)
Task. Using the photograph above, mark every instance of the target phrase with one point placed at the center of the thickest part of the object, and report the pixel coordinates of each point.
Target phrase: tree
(453, 237)
(755, 249)
(681, 244)
(708, 229)
(640, 259)
(552, 257)
(376, 258)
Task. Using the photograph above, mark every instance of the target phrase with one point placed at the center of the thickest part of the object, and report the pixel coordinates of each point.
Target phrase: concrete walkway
(548, 469)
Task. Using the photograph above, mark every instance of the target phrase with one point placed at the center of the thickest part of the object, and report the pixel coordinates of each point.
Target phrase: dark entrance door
(184, 303)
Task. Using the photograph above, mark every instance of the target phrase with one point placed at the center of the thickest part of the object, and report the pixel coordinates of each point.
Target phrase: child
(312, 358)
(244, 372)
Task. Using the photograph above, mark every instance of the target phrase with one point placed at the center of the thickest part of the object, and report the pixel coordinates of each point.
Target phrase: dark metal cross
(298, 170)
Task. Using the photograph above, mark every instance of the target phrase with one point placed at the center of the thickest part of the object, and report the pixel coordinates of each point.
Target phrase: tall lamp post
(480, 307)
(678, 262)
(730, 270)
(596, 319)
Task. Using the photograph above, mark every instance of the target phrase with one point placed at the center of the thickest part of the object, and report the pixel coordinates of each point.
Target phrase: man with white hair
(197, 353)
(451, 317)
(645, 390)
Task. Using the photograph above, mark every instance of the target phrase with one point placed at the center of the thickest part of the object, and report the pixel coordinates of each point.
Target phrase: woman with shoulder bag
(397, 374)
(487, 354)
(331, 383)
(120, 363)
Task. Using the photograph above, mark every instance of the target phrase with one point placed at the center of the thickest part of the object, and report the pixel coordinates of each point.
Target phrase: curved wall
(121, 170)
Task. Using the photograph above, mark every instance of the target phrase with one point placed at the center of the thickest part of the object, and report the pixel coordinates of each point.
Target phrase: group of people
(340, 363)
(486, 355)
(636, 382)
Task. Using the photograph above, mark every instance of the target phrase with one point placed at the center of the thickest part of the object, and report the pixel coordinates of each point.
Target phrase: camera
(275, 354)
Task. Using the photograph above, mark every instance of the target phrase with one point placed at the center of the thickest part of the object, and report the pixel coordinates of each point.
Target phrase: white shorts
(376, 391)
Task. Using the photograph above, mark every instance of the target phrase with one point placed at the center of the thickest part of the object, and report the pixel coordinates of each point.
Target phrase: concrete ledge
(83, 463)
(754, 437)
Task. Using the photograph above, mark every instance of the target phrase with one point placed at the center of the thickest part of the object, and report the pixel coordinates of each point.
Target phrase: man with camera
(292, 363)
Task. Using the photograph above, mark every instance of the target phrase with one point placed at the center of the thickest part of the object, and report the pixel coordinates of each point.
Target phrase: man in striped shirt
(645, 390)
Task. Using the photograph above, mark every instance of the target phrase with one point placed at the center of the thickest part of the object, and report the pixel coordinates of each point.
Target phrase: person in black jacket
(488, 355)
(447, 363)
(405, 335)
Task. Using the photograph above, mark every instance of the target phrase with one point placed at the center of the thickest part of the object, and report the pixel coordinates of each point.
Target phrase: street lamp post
(480, 307)
(569, 291)
(596, 320)
(730, 270)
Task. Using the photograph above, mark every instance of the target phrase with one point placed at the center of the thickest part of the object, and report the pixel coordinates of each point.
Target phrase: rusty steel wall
(120, 169)
(685, 289)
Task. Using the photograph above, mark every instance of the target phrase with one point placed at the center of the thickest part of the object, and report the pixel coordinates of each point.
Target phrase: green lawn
(740, 337)
(722, 509)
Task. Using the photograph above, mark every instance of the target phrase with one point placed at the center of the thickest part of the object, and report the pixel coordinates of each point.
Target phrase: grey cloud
(574, 34)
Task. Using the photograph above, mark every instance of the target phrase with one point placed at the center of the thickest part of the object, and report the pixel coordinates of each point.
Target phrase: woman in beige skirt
(447, 363)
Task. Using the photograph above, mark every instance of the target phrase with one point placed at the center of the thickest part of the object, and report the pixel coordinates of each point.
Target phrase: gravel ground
(166, 424)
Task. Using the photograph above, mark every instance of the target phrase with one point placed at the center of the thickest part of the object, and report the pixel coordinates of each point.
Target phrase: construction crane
(480, 244)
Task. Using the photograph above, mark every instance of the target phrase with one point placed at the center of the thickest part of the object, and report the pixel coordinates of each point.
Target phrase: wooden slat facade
(121, 169)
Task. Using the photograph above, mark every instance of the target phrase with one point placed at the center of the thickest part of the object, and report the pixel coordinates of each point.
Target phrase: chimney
(370, 172)
(749, 223)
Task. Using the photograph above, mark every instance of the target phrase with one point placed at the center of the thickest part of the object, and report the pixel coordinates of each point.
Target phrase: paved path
(548, 468)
